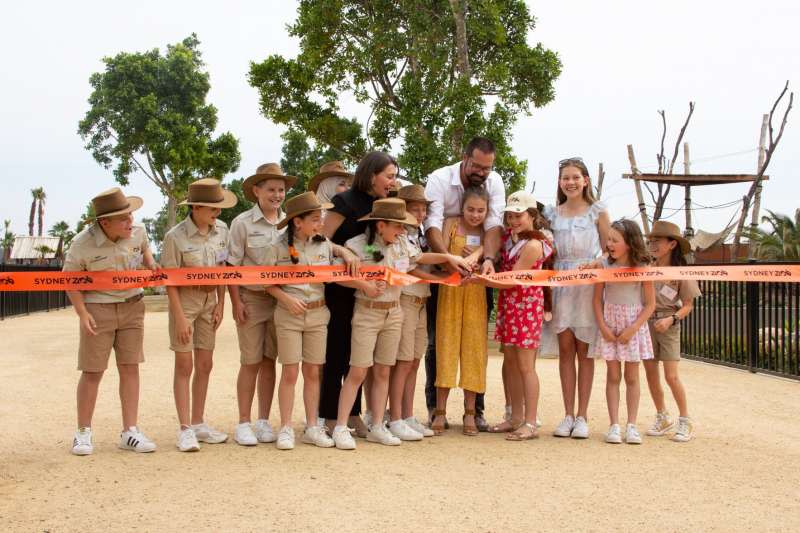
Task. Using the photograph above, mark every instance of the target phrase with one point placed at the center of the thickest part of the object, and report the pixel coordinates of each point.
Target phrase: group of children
(289, 323)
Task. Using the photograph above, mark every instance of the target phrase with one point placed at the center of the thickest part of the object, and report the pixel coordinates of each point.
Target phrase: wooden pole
(638, 185)
(687, 202)
(601, 174)
(762, 155)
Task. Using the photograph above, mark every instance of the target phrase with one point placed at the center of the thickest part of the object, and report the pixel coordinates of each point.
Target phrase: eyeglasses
(480, 168)
(565, 162)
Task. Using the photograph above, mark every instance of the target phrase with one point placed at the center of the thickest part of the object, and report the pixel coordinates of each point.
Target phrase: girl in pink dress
(622, 310)
(520, 312)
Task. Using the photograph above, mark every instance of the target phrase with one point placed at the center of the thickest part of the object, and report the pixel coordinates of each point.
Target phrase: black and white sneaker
(82, 443)
(136, 441)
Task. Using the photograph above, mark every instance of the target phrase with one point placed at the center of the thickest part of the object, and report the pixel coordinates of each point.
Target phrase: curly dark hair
(632, 236)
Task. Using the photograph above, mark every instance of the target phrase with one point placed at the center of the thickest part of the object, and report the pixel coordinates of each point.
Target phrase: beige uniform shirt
(250, 240)
(670, 295)
(92, 251)
(399, 256)
(185, 246)
(415, 243)
(309, 253)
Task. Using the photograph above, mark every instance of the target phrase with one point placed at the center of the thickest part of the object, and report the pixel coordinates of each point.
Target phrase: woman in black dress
(375, 177)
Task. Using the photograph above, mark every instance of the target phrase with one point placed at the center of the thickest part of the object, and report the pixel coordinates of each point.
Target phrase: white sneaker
(343, 439)
(564, 429)
(378, 433)
(417, 426)
(209, 435)
(317, 436)
(187, 440)
(538, 423)
(685, 430)
(581, 429)
(632, 435)
(661, 425)
(244, 435)
(136, 441)
(264, 431)
(403, 431)
(285, 440)
(82, 442)
(367, 418)
(614, 435)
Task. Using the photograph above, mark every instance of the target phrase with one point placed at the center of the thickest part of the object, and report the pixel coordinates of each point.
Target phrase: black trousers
(340, 301)
(430, 356)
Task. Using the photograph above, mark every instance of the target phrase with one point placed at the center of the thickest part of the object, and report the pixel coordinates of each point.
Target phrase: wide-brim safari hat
(522, 201)
(301, 204)
(267, 171)
(209, 192)
(665, 229)
(413, 193)
(332, 169)
(390, 210)
(113, 202)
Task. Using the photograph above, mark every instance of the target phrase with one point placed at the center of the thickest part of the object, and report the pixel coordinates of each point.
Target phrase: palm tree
(64, 234)
(42, 196)
(35, 194)
(782, 243)
(44, 250)
(8, 240)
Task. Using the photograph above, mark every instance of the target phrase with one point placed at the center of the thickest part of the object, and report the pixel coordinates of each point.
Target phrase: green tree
(301, 159)
(8, 240)
(64, 234)
(86, 218)
(38, 196)
(241, 206)
(43, 251)
(148, 113)
(434, 74)
(781, 242)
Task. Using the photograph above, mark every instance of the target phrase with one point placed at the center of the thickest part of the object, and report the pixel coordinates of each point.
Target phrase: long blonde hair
(588, 194)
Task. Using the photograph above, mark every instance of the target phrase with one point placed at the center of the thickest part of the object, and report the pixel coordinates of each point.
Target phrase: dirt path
(741, 473)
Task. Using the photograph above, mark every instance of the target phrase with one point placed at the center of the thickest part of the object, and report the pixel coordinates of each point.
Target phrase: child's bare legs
(585, 378)
(654, 384)
(676, 385)
(400, 374)
(632, 391)
(526, 362)
(367, 387)
(266, 388)
(347, 396)
(88, 385)
(311, 384)
(515, 385)
(380, 391)
(408, 391)
(129, 394)
(613, 379)
(203, 363)
(506, 391)
(180, 386)
(245, 389)
(286, 392)
(566, 369)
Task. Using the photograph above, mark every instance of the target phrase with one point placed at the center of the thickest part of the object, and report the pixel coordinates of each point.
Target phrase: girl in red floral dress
(520, 311)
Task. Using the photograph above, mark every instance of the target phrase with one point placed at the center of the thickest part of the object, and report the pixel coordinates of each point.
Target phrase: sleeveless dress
(520, 310)
(461, 330)
(577, 241)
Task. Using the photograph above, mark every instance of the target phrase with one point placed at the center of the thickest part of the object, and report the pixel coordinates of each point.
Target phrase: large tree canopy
(434, 73)
(148, 112)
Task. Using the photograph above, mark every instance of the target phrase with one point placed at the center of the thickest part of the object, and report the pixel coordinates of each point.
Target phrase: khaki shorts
(257, 339)
(414, 333)
(376, 335)
(302, 337)
(667, 345)
(119, 326)
(198, 308)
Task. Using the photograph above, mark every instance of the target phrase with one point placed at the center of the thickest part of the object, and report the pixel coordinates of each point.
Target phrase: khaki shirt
(93, 252)
(415, 243)
(251, 239)
(185, 246)
(671, 295)
(398, 256)
(309, 253)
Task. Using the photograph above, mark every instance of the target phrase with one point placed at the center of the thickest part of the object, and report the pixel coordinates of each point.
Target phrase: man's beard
(476, 180)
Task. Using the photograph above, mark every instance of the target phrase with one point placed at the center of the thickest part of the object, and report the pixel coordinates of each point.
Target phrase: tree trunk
(172, 212)
(30, 219)
(463, 70)
(41, 216)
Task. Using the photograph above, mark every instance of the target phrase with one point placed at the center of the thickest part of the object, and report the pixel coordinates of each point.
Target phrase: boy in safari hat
(110, 318)
(195, 312)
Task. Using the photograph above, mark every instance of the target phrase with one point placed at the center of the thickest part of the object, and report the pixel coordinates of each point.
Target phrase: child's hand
(239, 313)
(184, 329)
(371, 289)
(548, 316)
(352, 261)
(626, 336)
(608, 335)
(663, 324)
(88, 324)
(216, 316)
(597, 263)
(459, 263)
(294, 305)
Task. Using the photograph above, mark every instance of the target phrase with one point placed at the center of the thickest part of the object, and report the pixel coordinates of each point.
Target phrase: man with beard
(444, 189)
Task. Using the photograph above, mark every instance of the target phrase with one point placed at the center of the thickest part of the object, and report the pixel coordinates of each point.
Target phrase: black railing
(24, 302)
(751, 325)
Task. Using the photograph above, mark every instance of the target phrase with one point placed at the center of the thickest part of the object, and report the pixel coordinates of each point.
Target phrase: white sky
(623, 60)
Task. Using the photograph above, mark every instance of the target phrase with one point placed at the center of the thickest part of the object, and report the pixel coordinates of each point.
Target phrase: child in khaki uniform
(195, 312)
(110, 318)
(674, 302)
(378, 319)
(252, 236)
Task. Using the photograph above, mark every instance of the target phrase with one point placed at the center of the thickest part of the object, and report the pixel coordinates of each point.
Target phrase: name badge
(221, 255)
(668, 292)
(401, 264)
(473, 240)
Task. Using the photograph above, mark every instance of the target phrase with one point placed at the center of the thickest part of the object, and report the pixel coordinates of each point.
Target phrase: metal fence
(21, 303)
(751, 325)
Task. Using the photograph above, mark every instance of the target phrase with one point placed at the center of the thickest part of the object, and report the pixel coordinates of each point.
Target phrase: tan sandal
(471, 430)
(517, 435)
(506, 426)
(438, 429)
